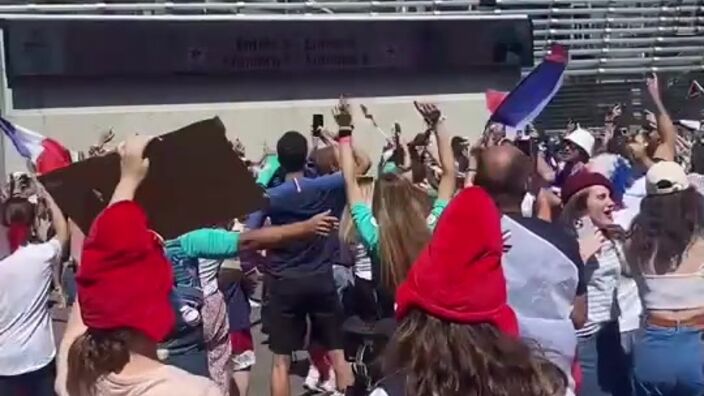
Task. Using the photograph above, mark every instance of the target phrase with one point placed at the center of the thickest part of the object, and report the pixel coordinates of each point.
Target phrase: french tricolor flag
(528, 99)
(45, 154)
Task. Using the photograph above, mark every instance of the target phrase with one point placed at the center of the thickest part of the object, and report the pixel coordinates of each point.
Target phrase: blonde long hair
(400, 210)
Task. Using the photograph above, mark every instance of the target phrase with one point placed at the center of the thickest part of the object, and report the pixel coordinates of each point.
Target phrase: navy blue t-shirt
(298, 200)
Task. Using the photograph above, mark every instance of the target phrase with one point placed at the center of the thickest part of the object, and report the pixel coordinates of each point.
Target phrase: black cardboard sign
(195, 180)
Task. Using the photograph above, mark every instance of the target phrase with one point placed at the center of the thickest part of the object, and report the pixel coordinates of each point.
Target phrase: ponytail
(92, 355)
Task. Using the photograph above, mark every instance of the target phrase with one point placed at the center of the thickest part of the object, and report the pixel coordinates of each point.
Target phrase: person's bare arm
(74, 328)
(343, 117)
(433, 117)
(274, 236)
(666, 128)
(361, 159)
(133, 168)
(58, 220)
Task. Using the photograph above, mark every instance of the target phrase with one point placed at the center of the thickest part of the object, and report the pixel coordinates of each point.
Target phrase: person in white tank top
(666, 255)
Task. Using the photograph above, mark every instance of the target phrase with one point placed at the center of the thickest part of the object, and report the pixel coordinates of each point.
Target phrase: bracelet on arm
(345, 139)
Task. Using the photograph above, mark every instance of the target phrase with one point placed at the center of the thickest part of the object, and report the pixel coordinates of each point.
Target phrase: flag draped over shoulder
(528, 99)
(44, 153)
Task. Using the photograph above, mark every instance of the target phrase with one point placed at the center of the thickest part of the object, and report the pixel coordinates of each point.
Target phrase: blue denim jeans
(669, 362)
(605, 365)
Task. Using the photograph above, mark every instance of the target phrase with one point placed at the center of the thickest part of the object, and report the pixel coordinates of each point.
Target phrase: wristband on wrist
(345, 139)
(345, 132)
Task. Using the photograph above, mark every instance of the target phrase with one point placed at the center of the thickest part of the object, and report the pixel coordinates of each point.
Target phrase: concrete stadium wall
(77, 112)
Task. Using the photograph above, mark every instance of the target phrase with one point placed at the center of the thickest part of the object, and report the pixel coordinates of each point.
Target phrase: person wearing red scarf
(457, 335)
(27, 348)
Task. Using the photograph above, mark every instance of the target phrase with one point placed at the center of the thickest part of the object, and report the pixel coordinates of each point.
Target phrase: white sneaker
(254, 304)
(244, 361)
(190, 315)
(312, 379)
(329, 385)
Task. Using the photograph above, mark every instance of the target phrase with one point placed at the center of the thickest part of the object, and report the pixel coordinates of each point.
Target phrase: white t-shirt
(26, 337)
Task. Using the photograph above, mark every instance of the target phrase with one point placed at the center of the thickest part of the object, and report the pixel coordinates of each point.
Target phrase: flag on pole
(44, 154)
(528, 99)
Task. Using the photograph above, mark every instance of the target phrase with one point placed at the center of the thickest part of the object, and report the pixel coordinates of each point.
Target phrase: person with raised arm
(660, 141)
(110, 344)
(113, 344)
(28, 350)
(298, 275)
(398, 223)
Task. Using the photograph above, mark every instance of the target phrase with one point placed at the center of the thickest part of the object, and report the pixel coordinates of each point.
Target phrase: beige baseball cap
(665, 177)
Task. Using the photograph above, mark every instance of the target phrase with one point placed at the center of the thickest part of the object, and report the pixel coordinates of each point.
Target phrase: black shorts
(292, 301)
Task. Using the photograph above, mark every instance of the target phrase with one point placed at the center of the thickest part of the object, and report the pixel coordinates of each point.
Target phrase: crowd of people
(513, 265)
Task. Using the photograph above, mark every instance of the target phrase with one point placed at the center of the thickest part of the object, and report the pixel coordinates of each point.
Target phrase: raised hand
(343, 117)
(341, 113)
(590, 245)
(430, 113)
(100, 147)
(653, 86)
(614, 112)
(133, 165)
(239, 148)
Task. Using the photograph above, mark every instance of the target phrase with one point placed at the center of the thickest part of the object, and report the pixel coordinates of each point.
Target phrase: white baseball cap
(665, 177)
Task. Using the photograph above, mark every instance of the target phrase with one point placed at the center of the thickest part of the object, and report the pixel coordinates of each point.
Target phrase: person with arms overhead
(124, 288)
(299, 274)
(398, 223)
(27, 341)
